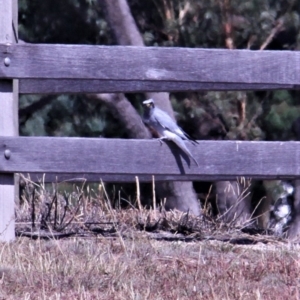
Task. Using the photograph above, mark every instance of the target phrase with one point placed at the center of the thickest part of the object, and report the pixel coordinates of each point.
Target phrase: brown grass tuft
(137, 253)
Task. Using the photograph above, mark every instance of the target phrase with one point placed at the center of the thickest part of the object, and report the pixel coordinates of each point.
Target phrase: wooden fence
(27, 68)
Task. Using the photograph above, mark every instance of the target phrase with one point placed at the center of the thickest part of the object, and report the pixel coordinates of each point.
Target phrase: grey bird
(165, 127)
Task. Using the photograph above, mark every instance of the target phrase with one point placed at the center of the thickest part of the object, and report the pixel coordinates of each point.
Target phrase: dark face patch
(149, 105)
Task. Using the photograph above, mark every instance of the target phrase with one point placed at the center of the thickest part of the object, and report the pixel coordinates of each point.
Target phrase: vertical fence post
(8, 119)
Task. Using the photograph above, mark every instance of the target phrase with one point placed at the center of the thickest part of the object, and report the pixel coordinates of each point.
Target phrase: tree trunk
(294, 230)
(232, 205)
(125, 113)
(179, 195)
(126, 32)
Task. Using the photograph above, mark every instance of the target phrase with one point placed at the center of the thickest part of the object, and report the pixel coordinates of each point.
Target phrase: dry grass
(138, 254)
(141, 268)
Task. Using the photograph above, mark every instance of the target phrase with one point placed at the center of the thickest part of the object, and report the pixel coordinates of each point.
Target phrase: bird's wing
(168, 123)
(180, 143)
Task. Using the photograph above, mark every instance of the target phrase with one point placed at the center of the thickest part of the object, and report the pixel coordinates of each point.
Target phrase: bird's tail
(180, 143)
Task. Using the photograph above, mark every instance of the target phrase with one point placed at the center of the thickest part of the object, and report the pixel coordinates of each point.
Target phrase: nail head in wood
(7, 61)
(7, 154)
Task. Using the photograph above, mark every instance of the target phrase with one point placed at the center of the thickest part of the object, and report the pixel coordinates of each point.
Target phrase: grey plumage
(166, 127)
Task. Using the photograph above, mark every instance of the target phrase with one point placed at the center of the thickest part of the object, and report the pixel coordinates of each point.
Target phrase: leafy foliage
(65, 22)
(252, 24)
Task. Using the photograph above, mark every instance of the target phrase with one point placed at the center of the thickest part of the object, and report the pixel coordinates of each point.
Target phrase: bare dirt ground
(79, 247)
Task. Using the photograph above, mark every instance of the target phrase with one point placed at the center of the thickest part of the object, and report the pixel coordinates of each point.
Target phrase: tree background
(253, 24)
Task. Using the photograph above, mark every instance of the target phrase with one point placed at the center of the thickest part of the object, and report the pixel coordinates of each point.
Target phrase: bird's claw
(161, 140)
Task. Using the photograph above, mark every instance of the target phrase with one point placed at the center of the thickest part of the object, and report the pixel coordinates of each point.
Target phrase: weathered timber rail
(53, 69)
(122, 160)
(45, 68)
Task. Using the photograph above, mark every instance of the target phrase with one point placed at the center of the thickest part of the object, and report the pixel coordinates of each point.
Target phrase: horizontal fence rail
(46, 68)
(125, 159)
(75, 86)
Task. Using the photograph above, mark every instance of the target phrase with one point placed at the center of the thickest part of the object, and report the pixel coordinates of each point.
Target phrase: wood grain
(118, 157)
(94, 177)
(65, 86)
(150, 64)
(8, 122)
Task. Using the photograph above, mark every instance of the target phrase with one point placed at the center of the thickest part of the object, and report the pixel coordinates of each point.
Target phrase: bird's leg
(161, 139)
